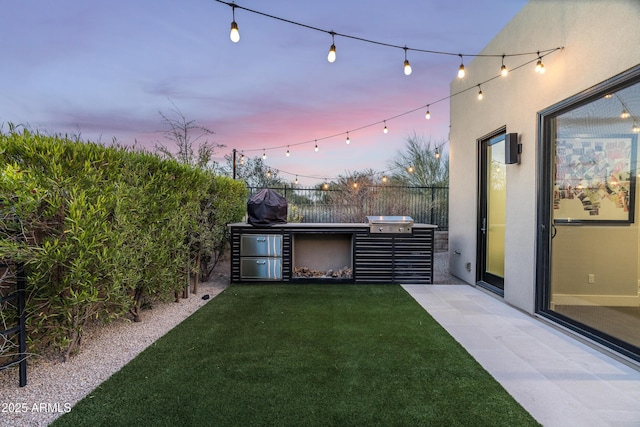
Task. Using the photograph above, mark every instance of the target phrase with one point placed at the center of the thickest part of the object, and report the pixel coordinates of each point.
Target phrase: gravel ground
(53, 387)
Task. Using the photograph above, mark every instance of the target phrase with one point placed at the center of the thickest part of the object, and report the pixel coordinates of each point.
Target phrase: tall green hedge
(99, 228)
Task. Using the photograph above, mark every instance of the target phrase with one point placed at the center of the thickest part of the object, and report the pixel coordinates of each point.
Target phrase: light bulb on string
(264, 155)
(288, 152)
(539, 65)
(269, 173)
(316, 147)
(461, 68)
(234, 35)
(625, 114)
(427, 115)
(242, 159)
(385, 130)
(331, 57)
(355, 184)
(407, 66)
(325, 186)
(410, 169)
(384, 179)
(635, 128)
(296, 179)
(503, 69)
(348, 139)
(480, 94)
(437, 153)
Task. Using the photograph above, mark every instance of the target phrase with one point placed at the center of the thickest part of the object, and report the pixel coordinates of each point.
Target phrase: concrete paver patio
(558, 379)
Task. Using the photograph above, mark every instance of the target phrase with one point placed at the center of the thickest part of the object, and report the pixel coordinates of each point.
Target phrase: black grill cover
(267, 207)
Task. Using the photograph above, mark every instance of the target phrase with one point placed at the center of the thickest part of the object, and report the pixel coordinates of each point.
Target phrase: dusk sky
(106, 70)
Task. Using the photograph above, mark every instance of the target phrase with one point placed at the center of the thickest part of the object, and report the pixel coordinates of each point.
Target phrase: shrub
(100, 228)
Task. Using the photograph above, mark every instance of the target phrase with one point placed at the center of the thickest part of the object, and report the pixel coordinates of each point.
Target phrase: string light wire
(437, 153)
(379, 43)
(538, 57)
(382, 122)
(427, 106)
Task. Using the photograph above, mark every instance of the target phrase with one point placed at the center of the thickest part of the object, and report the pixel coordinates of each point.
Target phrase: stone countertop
(320, 225)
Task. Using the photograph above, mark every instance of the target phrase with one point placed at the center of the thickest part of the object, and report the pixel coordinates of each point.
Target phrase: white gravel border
(54, 387)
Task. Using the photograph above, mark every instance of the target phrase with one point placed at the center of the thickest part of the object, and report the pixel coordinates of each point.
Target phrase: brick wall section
(441, 241)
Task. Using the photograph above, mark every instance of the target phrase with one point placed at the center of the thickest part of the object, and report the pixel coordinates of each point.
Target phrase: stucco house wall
(600, 39)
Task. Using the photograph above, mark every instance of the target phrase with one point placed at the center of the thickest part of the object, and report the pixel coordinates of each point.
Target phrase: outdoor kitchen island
(386, 250)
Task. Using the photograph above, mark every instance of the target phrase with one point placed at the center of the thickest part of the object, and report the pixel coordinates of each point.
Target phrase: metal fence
(13, 336)
(427, 205)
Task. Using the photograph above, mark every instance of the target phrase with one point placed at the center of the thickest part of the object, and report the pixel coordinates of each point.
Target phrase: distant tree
(428, 170)
(253, 171)
(353, 196)
(193, 150)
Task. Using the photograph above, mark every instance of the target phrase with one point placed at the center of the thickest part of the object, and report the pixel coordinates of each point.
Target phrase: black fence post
(433, 199)
(22, 334)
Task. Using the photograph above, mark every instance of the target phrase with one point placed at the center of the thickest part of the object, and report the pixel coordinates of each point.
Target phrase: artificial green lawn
(308, 355)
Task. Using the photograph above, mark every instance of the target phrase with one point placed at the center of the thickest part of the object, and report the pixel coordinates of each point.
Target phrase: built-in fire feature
(323, 255)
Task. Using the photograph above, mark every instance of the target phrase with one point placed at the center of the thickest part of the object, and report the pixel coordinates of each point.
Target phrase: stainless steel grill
(390, 224)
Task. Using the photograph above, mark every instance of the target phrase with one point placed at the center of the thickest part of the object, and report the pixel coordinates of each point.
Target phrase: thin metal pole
(234, 163)
(22, 338)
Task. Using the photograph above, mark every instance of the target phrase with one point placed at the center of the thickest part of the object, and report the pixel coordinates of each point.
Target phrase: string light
(242, 159)
(386, 129)
(461, 68)
(539, 65)
(264, 155)
(316, 147)
(625, 114)
(540, 55)
(269, 173)
(288, 152)
(480, 95)
(437, 153)
(234, 35)
(410, 169)
(503, 69)
(407, 66)
(635, 128)
(384, 177)
(331, 57)
(355, 184)
(325, 186)
(427, 114)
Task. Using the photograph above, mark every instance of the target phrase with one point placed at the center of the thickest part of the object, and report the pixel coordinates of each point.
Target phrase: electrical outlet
(592, 278)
